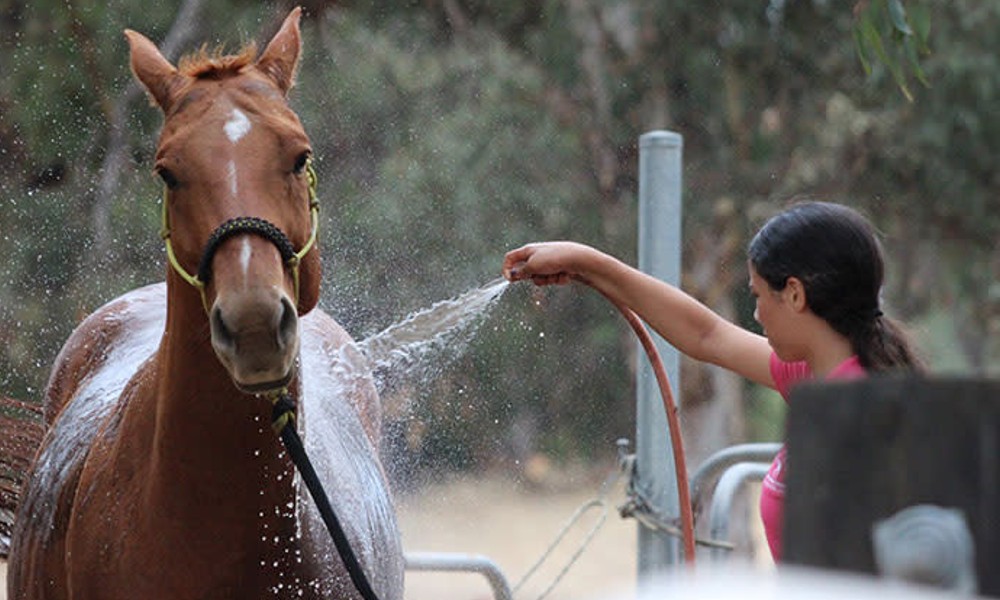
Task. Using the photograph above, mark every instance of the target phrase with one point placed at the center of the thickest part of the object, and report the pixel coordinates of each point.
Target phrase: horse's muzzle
(255, 334)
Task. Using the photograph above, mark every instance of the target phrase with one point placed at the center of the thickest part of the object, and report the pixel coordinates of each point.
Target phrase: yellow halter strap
(293, 262)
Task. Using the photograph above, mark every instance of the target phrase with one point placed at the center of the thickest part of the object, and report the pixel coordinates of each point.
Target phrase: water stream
(417, 348)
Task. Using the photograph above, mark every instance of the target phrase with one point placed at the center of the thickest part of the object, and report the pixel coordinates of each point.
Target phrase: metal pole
(659, 255)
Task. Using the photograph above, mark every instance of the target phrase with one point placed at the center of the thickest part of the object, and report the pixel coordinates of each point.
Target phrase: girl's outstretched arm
(683, 321)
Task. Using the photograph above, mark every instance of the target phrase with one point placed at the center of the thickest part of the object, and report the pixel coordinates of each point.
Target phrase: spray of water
(416, 349)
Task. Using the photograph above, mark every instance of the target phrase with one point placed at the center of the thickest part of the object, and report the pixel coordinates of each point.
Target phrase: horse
(160, 475)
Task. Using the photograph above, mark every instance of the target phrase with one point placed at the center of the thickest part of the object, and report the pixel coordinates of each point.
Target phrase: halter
(241, 225)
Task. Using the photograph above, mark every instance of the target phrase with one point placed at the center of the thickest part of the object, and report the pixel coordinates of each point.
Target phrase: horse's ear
(281, 57)
(160, 78)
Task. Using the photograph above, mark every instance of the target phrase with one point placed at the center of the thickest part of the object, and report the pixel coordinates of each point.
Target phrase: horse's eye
(167, 177)
(301, 162)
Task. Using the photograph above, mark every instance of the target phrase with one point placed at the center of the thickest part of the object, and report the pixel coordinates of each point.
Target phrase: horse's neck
(205, 432)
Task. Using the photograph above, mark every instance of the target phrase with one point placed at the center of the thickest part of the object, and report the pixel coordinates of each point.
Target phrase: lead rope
(283, 423)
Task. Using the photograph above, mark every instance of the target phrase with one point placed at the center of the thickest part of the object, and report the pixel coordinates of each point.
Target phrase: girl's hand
(547, 263)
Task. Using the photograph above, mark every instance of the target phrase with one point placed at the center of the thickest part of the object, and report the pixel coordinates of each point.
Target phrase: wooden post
(860, 452)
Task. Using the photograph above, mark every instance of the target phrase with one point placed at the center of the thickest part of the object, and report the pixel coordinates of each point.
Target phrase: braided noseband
(244, 225)
(241, 225)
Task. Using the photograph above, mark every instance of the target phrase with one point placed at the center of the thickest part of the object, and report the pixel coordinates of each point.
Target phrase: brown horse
(160, 475)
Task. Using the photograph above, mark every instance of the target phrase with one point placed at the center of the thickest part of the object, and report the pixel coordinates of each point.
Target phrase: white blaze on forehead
(231, 172)
(245, 252)
(237, 126)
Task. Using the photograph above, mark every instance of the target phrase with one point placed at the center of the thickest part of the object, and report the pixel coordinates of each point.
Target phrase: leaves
(898, 15)
(887, 33)
(439, 150)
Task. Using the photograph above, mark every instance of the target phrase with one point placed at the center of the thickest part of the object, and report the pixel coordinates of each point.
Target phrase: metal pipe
(455, 562)
(713, 466)
(730, 484)
(659, 223)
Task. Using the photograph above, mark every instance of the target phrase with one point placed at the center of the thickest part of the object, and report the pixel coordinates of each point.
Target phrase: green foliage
(447, 133)
(459, 147)
(895, 37)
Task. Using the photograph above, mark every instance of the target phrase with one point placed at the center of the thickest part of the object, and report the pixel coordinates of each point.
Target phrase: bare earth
(514, 527)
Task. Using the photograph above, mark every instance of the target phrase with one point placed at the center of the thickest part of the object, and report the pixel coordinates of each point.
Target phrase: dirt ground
(514, 526)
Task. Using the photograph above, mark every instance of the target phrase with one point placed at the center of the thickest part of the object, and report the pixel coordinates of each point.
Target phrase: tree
(447, 132)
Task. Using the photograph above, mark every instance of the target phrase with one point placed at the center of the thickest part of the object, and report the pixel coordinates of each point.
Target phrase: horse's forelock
(206, 64)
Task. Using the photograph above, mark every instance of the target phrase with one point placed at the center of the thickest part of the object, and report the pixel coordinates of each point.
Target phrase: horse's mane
(208, 64)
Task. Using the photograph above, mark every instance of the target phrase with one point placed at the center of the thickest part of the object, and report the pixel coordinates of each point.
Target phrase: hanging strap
(283, 422)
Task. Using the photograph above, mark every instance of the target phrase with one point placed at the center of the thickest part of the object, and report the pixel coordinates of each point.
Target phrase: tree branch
(184, 28)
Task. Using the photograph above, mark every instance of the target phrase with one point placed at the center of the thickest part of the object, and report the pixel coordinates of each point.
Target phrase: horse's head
(238, 214)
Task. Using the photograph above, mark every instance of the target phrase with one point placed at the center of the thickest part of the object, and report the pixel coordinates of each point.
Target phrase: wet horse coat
(160, 475)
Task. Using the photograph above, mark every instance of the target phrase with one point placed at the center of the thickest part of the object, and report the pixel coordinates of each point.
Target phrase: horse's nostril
(221, 335)
(288, 326)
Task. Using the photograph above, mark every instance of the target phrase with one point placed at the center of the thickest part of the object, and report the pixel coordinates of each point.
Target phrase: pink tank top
(772, 494)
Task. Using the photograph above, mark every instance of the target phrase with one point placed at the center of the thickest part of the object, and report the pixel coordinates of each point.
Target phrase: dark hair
(834, 252)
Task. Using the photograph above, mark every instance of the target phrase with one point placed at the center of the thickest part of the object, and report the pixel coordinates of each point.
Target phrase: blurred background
(449, 131)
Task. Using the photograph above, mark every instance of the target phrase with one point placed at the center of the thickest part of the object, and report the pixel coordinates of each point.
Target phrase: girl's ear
(795, 294)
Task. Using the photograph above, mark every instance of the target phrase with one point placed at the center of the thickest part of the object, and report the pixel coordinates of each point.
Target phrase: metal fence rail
(467, 563)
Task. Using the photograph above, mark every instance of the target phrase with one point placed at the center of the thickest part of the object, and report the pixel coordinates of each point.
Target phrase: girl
(816, 274)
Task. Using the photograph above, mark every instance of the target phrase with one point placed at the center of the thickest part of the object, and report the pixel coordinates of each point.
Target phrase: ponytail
(883, 345)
